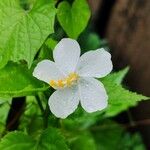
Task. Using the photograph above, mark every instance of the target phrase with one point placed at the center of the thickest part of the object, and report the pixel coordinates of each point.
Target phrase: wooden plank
(128, 33)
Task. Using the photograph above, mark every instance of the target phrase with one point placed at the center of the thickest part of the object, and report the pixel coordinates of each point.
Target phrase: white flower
(73, 77)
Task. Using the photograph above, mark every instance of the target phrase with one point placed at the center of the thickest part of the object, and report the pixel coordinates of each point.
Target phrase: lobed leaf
(22, 32)
(50, 139)
(120, 99)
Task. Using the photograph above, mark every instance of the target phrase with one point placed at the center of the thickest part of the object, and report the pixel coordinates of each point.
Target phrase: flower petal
(66, 55)
(95, 64)
(92, 94)
(64, 102)
(46, 70)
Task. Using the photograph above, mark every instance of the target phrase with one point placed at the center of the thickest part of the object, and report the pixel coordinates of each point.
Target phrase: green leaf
(116, 77)
(50, 139)
(82, 141)
(15, 141)
(4, 100)
(80, 119)
(73, 19)
(16, 80)
(4, 110)
(107, 135)
(32, 121)
(133, 142)
(110, 135)
(120, 99)
(27, 4)
(92, 41)
(46, 52)
(23, 32)
(51, 43)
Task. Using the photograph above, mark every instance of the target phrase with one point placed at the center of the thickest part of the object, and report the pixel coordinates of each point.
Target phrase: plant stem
(39, 103)
(46, 114)
(130, 118)
(46, 110)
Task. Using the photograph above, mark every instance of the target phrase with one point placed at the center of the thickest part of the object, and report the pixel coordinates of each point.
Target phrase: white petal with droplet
(66, 55)
(93, 96)
(95, 64)
(47, 70)
(64, 102)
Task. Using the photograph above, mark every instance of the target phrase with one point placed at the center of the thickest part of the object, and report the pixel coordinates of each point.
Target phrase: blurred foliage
(91, 41)
(110, 135)
(49, 139)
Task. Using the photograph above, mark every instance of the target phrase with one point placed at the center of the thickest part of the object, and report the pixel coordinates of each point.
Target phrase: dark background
(126, 26)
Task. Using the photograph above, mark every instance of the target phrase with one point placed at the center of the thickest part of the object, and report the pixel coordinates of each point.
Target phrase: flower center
(66, 82)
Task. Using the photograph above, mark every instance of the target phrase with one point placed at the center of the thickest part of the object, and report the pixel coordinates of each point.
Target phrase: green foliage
(109, 135)
(23, 34)
(132, 142)
(32, 120)
(104, 135)
(16, 80)
(92, 41)
(16, 140)
(116, 77)
(46, 51)
(73, 19)
(81, 119)
(51, 43)
(50, 139)
(4, 110)
(120, 99)
(82, 141)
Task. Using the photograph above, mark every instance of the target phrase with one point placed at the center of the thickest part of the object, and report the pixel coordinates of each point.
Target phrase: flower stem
(46, 114)
(40, 104)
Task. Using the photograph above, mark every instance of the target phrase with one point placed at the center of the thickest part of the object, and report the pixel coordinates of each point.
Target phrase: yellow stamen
(60, 83)
(66, 82)
(73, 76)
(53, 83)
